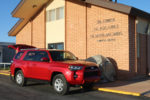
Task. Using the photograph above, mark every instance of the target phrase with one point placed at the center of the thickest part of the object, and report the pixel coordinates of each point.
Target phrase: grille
(91, 68)
(91, 71)
(90, 74)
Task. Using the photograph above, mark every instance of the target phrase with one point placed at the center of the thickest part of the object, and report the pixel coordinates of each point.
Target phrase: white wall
(55, 30)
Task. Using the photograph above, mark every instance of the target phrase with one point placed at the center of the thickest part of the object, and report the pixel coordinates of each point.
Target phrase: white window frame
(56, 15)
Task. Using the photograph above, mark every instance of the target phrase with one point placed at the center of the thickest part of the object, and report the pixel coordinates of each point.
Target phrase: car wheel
(60, 85)
(19, 78)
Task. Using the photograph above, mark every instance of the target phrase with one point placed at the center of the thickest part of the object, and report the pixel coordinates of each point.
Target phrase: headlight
(74, 68)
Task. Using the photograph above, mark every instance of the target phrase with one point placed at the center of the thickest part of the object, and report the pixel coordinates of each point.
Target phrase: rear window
(18, 55)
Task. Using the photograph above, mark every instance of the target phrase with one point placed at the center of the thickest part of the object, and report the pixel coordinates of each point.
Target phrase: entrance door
(142, 67)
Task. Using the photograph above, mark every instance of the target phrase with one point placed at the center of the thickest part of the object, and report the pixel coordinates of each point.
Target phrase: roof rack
(38, 49)
(30, 49)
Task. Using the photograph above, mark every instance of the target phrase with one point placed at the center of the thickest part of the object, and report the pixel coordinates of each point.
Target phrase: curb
(119, 92)
(4, 74)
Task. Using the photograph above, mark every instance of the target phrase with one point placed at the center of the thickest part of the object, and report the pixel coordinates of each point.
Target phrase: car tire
(60, 85)
(20, 79)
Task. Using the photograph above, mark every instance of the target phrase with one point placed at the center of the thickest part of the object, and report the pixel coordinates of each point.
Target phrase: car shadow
(47, 88)
(79, 91)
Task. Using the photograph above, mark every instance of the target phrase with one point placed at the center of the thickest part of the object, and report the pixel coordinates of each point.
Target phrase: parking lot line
(119, 92)
(4, 74)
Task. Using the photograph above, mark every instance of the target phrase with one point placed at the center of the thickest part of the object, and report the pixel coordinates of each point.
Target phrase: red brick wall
(24, 36)
(107, 32)
(38, 32)
(33, 33)
(132, 45)
(108, 38)
(76, 28)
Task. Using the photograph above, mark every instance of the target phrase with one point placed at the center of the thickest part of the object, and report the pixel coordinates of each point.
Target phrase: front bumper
(79, 78)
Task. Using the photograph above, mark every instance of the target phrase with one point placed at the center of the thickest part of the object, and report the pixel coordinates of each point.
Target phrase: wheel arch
(17, 69)
(53, 75)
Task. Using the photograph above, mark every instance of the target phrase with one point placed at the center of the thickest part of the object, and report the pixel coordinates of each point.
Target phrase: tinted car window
(62, 56)
(30, 56)
(18, 55)
(36, 55)
(40, 55)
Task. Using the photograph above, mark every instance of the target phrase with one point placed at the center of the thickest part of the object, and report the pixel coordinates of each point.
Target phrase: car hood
(79, 63)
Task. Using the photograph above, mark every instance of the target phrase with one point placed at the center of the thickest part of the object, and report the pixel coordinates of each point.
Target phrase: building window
(55, 14)
(59, 46)
(60, 13)
(52, 15)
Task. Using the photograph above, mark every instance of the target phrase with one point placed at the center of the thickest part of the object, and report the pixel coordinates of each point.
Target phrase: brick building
(87, 28)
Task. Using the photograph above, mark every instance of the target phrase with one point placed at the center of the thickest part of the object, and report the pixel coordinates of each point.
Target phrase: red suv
(61, 68)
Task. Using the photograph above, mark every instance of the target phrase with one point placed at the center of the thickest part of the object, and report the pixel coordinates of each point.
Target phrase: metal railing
(5, 66)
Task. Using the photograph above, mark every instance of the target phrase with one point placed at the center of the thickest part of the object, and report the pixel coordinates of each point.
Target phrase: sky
(7, 21)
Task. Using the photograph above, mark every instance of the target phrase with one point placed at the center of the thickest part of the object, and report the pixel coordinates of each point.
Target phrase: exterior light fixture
(34, 6)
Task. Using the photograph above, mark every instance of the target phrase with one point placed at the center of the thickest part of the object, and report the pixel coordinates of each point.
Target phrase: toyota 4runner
(61, 68)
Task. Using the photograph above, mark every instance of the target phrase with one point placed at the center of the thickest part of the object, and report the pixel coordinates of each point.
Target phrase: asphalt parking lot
(43, 91)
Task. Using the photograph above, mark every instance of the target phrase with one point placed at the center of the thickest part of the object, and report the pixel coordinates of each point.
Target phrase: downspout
(147, 51)
(86, 30)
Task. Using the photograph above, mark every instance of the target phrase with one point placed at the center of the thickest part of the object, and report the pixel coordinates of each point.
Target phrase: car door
(37, 68)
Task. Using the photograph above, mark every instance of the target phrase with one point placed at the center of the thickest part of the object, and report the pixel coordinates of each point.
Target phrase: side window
(30, 56)
(59, 46)
(18, 55)
(40, 55)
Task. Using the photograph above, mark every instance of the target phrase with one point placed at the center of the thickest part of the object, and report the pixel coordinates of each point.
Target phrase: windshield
(62, 55)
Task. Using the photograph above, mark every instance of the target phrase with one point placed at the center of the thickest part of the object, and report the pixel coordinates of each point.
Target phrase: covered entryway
(143, 46)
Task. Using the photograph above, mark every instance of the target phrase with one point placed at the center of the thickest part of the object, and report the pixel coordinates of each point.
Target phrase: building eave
(25, 10)
(16, 28)
(120, 8)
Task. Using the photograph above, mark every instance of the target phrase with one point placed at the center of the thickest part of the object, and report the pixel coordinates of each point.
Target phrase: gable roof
(120, 8)
(26, 9)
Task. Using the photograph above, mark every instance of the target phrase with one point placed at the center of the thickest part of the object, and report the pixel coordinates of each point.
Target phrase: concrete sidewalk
(135, 87)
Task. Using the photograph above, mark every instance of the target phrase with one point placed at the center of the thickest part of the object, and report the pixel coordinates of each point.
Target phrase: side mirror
(44, 59)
